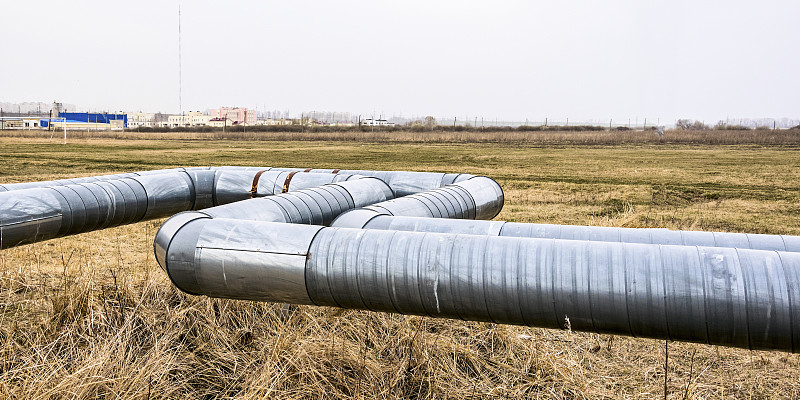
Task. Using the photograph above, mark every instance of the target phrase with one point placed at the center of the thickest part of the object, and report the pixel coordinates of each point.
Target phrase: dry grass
(92, 316)
(709, 137)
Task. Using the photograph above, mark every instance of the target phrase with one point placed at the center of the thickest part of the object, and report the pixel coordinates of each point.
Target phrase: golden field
(93, 316)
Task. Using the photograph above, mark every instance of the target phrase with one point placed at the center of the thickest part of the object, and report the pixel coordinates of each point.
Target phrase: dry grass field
(93, 316)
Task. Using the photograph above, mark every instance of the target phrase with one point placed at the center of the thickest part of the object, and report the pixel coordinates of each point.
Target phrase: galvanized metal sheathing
(738, 290)
(722, 296)
(477, 197)
(29, 215)
(404, 183)
(575, 232)
(235, 185)
(318, 205)
(87, 179)
(38, 211)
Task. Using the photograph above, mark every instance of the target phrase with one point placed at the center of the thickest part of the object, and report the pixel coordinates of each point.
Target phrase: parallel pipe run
(248, 243)
(29, 215)
(722, 296)
(477, 197)
(37, 211)
(575, 232)
(318, 205)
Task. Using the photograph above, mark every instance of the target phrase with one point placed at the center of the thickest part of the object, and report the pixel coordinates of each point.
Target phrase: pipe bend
(357, 218)
(487, 193)
(366, 191)
(167, 231)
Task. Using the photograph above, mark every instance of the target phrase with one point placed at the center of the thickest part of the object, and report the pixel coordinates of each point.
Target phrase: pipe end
(167, 231)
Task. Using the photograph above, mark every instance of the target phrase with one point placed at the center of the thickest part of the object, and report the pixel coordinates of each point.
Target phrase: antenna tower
(180, 70)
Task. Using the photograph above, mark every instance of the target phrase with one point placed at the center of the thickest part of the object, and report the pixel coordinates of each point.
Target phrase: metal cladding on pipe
(310, 206)
(97, 202)
(474, 198)
(404, 183)
(236, 259)
(235, 185)
(318, 205)
(721, 296)
(71, 181)
(601, 283)
(593, 233)
(41, 213)
(29, 215)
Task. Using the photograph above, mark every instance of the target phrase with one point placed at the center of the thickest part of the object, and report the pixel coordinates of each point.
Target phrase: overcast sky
(504, 59)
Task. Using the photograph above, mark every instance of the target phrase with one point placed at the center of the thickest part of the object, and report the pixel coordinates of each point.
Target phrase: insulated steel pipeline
(36, 211)
(476, 197)
(250, 241)
(320, 205)
(721, 296)
(575, 232)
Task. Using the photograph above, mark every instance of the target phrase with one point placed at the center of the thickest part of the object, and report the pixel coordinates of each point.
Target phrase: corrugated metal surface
(722, 296)
(574, 232)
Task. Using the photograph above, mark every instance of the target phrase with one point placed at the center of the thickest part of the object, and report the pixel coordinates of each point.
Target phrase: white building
(376, 122)
(192, 118)
(276, 121)
(141, 120)
(220, 122)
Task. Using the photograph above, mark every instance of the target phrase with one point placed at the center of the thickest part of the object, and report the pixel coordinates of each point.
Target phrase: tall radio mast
(180, 71)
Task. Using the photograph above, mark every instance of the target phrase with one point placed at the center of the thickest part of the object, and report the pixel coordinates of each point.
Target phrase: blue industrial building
(97, 118)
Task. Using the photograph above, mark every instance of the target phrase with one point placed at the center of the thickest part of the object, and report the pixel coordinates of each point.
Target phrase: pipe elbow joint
(487, 194)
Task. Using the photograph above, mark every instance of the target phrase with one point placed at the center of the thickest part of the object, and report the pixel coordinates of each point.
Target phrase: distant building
(175, 121)
(376, 122)
(141, 120)
(96, 120)
(236, 114)
(192, 118)
(274, 121)
(196, 118)
(220, 122)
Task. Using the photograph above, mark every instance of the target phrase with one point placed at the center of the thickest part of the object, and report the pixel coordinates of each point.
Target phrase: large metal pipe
(41, 213)
(476, 197)
(81, 205)
(317, 205)
(240, 179)
(36, 211)
(403, 183)
(717, 295)
(722, 296)
(86, 179)
(575, 232)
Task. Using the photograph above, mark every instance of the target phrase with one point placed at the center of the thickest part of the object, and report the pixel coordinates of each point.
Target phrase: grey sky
(505, 59)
